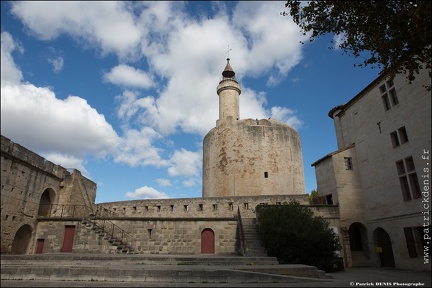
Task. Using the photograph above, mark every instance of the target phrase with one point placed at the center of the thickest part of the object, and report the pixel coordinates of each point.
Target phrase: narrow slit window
(149, 233)
(348, 163)
(265, 174)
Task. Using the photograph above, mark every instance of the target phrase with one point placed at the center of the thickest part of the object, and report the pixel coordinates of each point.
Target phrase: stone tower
(249, 157)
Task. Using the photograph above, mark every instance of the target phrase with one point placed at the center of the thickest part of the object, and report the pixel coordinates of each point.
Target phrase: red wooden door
(207, 241)
(68, 238)
(39, 246)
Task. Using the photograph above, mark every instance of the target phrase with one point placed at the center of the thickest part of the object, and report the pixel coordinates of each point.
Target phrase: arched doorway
(357, 233)
(45, 202)
(355, 237)
(21, 240)
(385, 248)
(207, 241)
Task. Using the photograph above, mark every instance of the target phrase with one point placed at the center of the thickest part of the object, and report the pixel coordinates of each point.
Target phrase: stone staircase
(253, 244)
(158, 269)
(359, 259)
(122, 246)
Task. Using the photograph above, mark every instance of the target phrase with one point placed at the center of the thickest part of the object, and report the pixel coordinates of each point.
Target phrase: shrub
(291, 233)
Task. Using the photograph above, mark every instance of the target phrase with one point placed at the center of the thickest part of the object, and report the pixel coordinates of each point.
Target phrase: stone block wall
(214, 207)
(149, 236)
(85, 241)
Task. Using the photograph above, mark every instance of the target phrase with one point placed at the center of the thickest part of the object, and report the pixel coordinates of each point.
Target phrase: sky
(126, 91)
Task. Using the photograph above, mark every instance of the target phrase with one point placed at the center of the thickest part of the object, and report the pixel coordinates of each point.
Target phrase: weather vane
(228, 51)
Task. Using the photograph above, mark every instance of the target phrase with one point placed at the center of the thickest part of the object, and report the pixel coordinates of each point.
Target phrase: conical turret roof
(228, 71)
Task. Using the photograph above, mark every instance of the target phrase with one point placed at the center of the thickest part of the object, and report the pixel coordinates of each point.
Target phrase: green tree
(313, 194)
(291, 233)
(394, 34)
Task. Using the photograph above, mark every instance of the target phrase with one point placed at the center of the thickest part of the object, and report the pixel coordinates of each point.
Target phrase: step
(155, 259)
(181, 269)
(359, 259)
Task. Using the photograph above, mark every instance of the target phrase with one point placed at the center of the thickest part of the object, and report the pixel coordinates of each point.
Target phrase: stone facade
(379, 177)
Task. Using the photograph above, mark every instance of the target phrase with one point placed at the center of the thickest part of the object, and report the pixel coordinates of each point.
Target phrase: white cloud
(69, 126)
(10, 73)
(185, 163)
(273, 41)
(61, 130)
(125, 75)
(142, 110)
(190, 182)
(146, 193)
(106, 25)
(187, 54)
(286, 115)
(164, 182)
(136, 148)
(57, 63)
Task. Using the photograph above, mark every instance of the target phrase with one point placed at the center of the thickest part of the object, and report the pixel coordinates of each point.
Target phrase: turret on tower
(228, 91)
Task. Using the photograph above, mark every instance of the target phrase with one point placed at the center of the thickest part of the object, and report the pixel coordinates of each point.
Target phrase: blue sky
(126, 91)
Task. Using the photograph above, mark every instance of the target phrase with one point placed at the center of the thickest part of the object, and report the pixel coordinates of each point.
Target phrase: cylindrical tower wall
(228, 91)
(250, 159)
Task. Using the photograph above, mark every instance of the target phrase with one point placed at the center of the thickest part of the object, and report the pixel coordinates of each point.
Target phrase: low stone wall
(149, 236)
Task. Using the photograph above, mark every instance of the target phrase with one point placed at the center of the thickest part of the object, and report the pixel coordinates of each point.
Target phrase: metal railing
(64, 210)
(112, 230)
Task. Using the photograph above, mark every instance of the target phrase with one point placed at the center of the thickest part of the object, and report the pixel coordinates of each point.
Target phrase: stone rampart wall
(197, 207)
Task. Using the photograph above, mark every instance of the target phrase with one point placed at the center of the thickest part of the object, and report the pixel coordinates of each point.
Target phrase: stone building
(379, 176)
(249, 157)
(48, 209)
